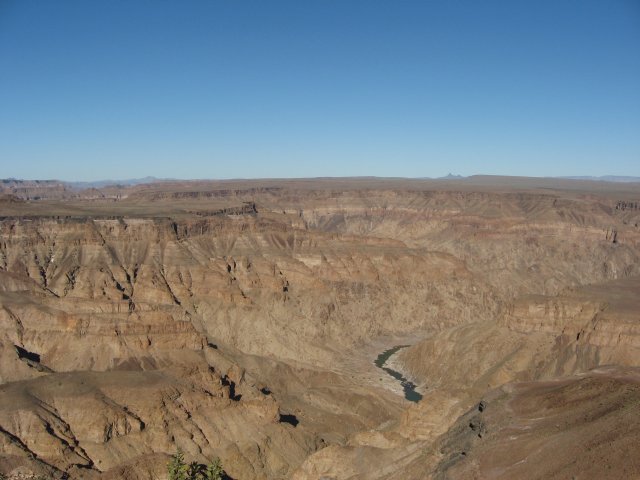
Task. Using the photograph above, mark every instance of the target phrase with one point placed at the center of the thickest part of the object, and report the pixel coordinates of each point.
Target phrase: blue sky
(244, 89)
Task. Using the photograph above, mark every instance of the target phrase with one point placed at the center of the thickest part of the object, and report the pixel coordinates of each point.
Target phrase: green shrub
(179, 470)
(214, 470)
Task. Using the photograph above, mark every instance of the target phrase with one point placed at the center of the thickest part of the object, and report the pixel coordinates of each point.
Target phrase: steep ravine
(183, 319)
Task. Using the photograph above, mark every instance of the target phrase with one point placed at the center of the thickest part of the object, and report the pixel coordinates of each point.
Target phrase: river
(408, 386)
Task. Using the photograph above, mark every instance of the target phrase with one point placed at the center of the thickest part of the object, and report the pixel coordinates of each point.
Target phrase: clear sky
(119, 89)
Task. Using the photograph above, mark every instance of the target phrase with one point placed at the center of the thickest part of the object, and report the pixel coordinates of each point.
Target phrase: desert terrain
(241, 319)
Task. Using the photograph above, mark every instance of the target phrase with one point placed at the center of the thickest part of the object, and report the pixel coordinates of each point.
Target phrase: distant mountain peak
(450, 176)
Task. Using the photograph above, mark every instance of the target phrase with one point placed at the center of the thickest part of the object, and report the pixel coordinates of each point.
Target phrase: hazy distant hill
(104, 183)
(606, 178)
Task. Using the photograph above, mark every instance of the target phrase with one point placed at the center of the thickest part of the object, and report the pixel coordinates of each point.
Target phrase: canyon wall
(233, 320)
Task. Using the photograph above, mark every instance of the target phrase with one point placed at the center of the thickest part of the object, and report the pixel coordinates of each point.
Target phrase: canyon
(241, 319)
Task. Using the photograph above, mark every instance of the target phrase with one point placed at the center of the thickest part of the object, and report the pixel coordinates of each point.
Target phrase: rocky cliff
(237, 319)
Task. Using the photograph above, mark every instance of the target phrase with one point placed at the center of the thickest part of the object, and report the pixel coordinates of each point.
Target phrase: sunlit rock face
(241, 321)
